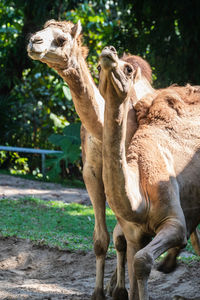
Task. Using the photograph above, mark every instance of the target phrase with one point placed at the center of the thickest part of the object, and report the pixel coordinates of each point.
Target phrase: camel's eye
(129, 69)
(99, 68)
(60, 41)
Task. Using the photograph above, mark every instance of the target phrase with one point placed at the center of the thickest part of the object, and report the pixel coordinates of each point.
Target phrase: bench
(43, 152)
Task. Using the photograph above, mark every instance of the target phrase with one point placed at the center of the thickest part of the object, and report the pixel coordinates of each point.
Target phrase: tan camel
(59, 45)
(153, 187)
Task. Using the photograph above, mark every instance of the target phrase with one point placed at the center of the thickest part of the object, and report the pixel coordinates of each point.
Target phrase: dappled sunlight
(31, 286)
(15, 187)
(53, 223)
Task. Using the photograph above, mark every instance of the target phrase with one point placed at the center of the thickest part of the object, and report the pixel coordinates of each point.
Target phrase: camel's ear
(138, 74)
(76, 30)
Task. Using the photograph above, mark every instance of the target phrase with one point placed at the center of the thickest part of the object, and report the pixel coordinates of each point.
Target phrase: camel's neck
(88, 102)
(121, 182)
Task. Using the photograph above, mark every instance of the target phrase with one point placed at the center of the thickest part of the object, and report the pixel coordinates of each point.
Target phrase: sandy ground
(16, 187)
(28, 271)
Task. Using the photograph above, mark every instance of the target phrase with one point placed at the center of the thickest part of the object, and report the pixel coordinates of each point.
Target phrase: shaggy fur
(165, 104)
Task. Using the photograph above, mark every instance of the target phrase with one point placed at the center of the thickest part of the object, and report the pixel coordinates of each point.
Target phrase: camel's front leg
(168, 264)
(171, 234)
(92, 174)
(101, 238)
(133, 291)
(94, 184)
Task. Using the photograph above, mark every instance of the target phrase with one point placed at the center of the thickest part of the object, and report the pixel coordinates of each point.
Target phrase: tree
(32, 101)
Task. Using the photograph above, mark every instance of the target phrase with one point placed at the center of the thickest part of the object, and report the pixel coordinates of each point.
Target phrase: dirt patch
(16, 187)
(28, 271)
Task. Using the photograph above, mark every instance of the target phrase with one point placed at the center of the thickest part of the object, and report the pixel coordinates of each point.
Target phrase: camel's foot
(120, 294)
(98, 294)
(167, 265)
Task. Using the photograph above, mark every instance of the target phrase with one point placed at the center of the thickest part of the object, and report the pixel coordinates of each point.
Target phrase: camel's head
(55, 42)
(115, 74)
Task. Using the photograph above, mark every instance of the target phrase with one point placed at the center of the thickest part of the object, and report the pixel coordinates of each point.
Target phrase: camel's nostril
(106, 48)
(36, 40)
(113, 49)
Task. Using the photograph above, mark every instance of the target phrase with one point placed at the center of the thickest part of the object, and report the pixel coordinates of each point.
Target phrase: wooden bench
(43, 152)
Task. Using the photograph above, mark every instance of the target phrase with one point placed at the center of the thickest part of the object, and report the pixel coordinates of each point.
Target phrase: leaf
(72, 132)
(56, 139)
(67, 93)
(69, 143)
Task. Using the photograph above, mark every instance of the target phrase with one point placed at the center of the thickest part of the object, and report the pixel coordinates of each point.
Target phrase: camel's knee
(120, 243)
(101, 244)
(143, 263)
(99, 248)
(177, 235)
(119, 239)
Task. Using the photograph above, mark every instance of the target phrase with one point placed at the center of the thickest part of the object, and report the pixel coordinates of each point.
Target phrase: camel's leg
(112, 283)
(133, 246)
(92, 174)
(195, 240)
(133, 290)
(168, 264)
(171, 234)
(119, 291)
(101, 237)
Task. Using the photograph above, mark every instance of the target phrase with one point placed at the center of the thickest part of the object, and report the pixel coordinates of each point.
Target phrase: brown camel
(153, 187)
(59, 45)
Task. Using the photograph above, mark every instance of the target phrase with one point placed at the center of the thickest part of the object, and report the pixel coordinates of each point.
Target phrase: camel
(152, 187)
(59, 45)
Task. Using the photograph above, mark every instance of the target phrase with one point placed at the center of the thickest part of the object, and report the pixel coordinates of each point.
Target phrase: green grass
(52, 223)
(55, 224)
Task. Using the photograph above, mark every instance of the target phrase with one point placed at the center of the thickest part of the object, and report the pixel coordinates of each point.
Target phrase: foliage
(69, 143)
(98, 29)
(32, 101)
(41, 108)
(18, 165)
(52, 223)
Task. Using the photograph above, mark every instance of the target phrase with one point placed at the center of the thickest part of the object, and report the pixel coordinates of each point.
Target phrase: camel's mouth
(36, 50)
(36, 54)
(108, 55)
(108, 58)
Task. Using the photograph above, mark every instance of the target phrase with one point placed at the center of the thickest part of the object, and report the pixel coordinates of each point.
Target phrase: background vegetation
(34, 102)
